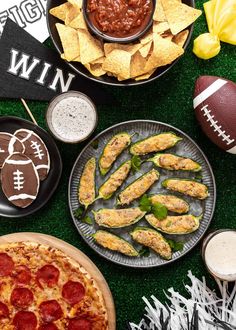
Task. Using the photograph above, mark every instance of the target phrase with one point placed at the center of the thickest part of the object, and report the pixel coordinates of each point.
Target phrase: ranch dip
(220, 256)
(71, 117)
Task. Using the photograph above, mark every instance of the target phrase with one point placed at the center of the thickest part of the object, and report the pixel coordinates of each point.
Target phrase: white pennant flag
(28, 14)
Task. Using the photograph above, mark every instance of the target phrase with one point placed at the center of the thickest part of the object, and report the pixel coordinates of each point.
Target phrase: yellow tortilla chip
(145, 76)
(144, 51)
(90, 48)
(167, 35)
(71, 15)
(76, 3)
(137, 66)
(78, 22)
(164, 52)
(179, 15)
(159, 14)
(99, 60)
(181, 37)
(118, 62)
(160, 27)
(147, 37)
(69, 40)
(95, 69)
(77, 59)
(130, 48)
(61, 11)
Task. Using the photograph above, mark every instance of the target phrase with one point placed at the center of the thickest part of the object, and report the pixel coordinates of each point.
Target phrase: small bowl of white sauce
(218, 252)
(71, 117)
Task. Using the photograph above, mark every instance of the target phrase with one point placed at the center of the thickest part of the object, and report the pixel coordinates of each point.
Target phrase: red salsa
(120, 18)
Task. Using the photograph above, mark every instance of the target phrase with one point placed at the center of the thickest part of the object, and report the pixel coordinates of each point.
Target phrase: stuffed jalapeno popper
(181, 224)
(87, 189)
(187, 187)
(114, 243)
(117, 144)
(155, 143)
(175, 163)
(152, 239)
(110, 186)
(138, 187)
(112, 218)
(171, 202)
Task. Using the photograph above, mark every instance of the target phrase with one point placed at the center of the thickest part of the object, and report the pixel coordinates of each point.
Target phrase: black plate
(80, 69)
(47, 187)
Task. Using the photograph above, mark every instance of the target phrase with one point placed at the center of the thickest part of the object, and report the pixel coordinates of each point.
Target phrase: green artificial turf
(169, 100)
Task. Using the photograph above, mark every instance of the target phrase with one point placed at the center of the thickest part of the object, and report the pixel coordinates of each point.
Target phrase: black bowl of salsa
(106, 80)
(120, 21)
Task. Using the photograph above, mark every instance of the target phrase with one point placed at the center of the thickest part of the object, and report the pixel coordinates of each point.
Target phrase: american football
(36, 150)
(215, 107)
(20, 180)
(8, 145)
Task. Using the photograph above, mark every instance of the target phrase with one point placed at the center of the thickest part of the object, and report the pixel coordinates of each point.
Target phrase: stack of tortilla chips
(160, 46)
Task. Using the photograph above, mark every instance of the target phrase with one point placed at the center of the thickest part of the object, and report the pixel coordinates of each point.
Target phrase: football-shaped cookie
(8, 145)
(215, 107)
(20, 180)
(36, 150)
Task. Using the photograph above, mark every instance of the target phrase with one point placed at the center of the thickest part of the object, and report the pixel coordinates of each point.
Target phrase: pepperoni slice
(25, 321)
(73, 292)
(6, 264)
(48, 326)
(4, 311)
(79, 324)
(22, 297)
(50, 311)
(49, 275)
(22, 275)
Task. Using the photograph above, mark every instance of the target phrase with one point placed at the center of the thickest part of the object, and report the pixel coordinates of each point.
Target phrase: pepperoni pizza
(41, 288)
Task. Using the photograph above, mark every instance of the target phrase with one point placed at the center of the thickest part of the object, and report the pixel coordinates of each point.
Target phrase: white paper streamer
(180, 309)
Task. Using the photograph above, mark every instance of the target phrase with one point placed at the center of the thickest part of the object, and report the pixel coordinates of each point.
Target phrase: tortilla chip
(167, 35)
(90, 48)
(118, 62)
(61, 11)
(159, 14)
(160, 27)
(99, 60)
(71, 15)
(179, 15)
(137, 66)
(164, 52)
(147, 37)
(145, 76)
(77, 59)
(181, 37)
(69, 40)
(130, 48)
(76, 3)
(120, 78)
(78, 22)
(95, 69)
(144, 51)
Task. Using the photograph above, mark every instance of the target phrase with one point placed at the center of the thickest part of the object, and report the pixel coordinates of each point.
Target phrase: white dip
(73, 118)
(220, 255)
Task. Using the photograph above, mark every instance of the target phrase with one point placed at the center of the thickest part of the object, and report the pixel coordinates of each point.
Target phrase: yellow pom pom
(206, 46)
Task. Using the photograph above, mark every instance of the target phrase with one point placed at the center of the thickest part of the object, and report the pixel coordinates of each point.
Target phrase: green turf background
(169, 100)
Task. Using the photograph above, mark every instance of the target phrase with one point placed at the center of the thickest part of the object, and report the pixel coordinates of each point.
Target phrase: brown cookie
(20, 180)
(36, 150)
(8, 145)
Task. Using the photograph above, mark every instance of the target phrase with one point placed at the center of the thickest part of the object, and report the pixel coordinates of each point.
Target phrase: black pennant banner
(32, 71)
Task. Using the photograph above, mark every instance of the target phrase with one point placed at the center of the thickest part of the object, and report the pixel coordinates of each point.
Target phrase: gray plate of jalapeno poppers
(142, 194)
